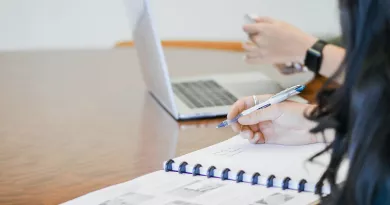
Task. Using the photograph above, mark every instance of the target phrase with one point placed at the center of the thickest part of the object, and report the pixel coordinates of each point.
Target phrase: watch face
(314, 52)
(313, 57)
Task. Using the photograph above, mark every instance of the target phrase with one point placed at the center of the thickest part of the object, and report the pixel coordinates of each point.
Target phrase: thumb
(266, 114)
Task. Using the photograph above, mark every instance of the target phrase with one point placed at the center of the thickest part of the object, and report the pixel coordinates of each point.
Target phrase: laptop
(190, 98)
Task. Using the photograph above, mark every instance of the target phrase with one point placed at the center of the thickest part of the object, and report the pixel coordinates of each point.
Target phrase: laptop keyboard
(204, 93)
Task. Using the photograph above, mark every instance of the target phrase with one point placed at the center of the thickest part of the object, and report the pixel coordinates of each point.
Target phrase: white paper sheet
(279, 160)
(171, 188)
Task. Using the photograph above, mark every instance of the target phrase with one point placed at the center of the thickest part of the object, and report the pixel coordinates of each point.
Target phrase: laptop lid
(151, 56)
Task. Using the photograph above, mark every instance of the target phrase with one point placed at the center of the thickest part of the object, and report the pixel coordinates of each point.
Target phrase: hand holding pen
(277, 98)
(278, 121)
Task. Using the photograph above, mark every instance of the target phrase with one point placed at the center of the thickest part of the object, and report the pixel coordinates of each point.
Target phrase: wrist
(305, 45)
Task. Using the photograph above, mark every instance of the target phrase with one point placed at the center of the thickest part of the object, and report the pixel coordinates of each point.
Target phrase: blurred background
(91, 24)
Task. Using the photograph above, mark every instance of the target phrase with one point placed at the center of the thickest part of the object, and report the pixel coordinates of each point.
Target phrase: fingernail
(255, 138)
(245, 134)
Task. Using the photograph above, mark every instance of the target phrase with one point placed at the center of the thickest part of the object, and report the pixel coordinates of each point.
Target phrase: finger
(258, 135)
(258, 40)
(254, 128)
(264, 19)
(251, 51)
(249, 42)
(246, 132)
(236, 127)
(232, 113)
(258, 138)
(253, 55)
(241, 105)
(255, 39)
(270, 113)
(250, 28)
(256, 28)
(262, 139)
(249, 47)
(236, 108)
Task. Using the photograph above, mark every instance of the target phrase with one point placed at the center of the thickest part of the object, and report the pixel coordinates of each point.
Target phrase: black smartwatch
(314, 56)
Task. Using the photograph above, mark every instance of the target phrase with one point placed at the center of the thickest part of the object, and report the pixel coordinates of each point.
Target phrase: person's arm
(277, 42)
(332, 59)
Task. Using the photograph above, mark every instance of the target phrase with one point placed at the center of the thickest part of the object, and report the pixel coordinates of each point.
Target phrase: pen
(277, 98)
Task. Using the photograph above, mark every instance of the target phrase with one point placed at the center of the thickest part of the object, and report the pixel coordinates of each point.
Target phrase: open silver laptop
(183, 98)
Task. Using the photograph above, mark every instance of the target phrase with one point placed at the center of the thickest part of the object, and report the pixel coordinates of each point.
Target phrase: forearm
(332, 59)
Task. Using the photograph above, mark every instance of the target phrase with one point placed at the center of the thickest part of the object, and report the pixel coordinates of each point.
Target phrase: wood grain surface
(72, 122)
(216, 45)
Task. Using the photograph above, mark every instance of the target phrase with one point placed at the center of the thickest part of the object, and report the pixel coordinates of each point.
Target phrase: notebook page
(168, 188)
(278, 160)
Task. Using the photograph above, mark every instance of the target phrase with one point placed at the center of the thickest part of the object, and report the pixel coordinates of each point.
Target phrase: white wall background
(79, 24)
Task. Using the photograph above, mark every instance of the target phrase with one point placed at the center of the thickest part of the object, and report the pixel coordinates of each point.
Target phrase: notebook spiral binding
(240, 176)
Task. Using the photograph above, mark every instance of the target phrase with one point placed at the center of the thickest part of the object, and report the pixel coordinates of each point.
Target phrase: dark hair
(359, 110)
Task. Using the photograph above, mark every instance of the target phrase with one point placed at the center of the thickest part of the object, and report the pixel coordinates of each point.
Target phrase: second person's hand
(275, 42)
(282, 123)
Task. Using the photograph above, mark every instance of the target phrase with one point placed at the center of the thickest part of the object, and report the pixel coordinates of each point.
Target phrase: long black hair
(359, 110)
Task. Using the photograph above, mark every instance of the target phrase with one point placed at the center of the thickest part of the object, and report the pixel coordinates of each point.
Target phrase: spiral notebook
(230, 172)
